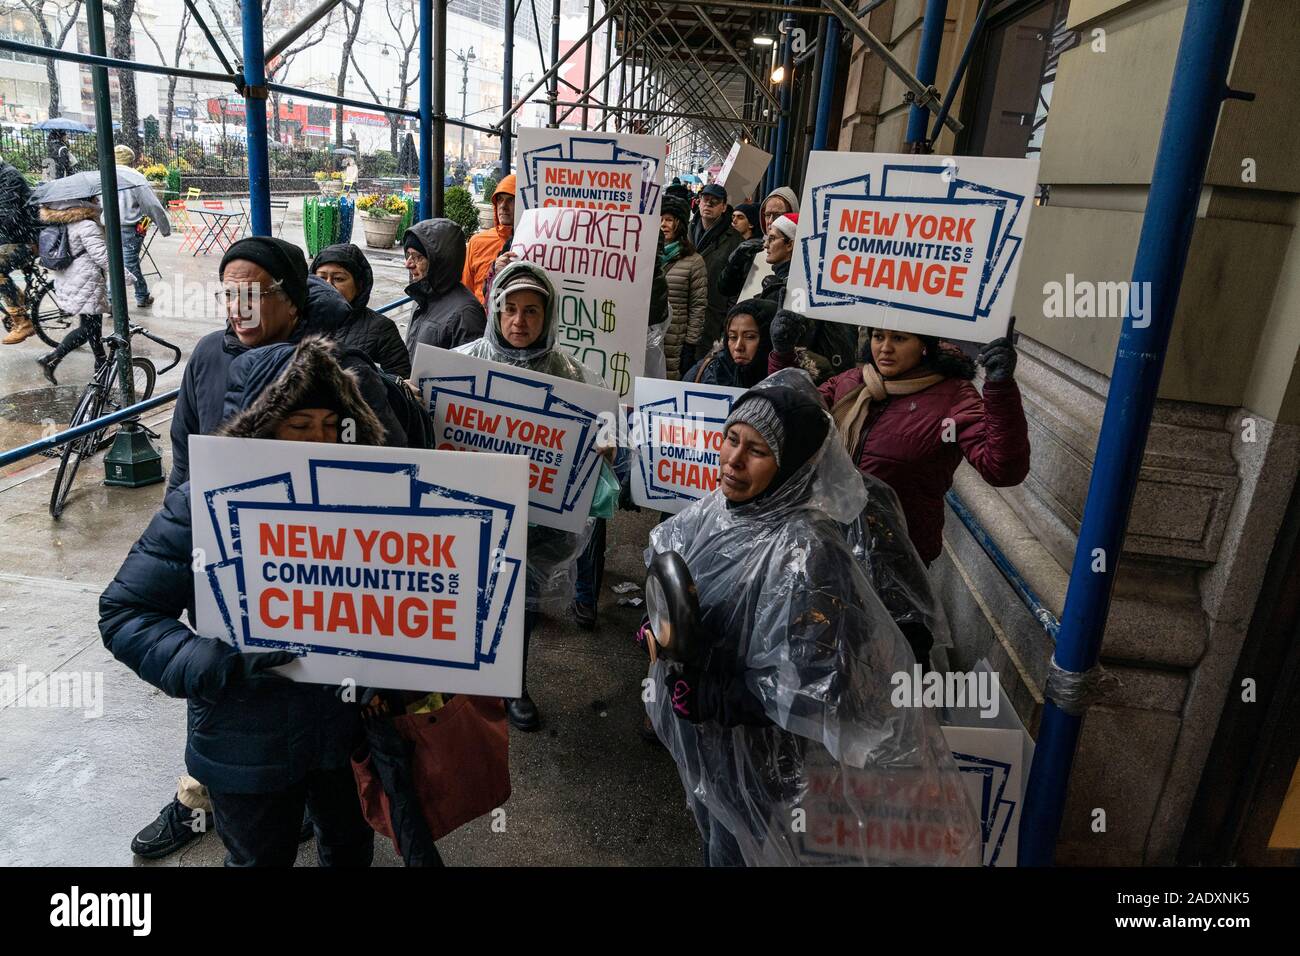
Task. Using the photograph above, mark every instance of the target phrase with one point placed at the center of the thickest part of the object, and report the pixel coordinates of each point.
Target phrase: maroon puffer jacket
(904, 444)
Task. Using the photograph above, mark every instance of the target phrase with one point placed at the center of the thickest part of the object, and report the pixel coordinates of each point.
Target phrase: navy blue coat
(250, 740)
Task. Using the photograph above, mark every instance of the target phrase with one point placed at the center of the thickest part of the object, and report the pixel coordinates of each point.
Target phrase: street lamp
(221, 105)
(465, 60)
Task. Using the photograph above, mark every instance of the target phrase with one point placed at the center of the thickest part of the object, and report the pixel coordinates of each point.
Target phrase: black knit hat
(803, 426)
(283, 260)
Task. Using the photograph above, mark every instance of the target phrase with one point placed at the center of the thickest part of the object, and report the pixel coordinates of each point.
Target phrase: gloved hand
(998, 357)
(788, 330)
(748, 249)
(683, 685)
(245, 671)
(644, 636)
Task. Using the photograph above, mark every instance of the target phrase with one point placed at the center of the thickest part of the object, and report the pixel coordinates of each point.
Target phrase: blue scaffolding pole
(1198, 89)
(254, 91)
(927, 65)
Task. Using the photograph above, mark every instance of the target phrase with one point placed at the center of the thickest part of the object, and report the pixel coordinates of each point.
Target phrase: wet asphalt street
(74, 788)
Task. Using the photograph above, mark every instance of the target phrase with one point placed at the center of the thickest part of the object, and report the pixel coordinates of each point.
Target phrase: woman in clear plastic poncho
(527, 340)
(784, 733)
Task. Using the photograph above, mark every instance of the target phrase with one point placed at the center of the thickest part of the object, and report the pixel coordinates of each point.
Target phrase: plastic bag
(605, 501)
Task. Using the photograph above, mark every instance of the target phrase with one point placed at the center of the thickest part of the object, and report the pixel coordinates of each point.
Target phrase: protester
(786, 714)
(715, 240)
(345, 267)
(522, 332)
(18, 228)
(134, 207)
(82, 285)
(485, 246)
(446, 313)
(744, 221)
(746, 269)
(688, 289)
(265, 746)
(739, 360)
(267, 297)
(909, 414)
(826, 348)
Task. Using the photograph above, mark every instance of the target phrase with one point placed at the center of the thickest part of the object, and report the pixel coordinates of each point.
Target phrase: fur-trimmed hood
(66, 217)
(268, 384)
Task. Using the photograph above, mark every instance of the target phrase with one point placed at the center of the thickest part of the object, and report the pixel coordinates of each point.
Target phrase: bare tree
(349, 39)
(129, 117)
(405, 79)
(176, 61)
(278, 68)
(53, 35)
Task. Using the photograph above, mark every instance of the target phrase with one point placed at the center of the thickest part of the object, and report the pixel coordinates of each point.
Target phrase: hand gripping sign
(392, 567)
(924, 244)
(676, 431)
(553, 423)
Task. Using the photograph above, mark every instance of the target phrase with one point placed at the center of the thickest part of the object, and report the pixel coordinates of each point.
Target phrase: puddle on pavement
(26, 414)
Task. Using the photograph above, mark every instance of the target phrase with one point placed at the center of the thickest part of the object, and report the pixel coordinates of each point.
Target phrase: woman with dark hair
(739, 358)
(908, 414)
(688, 288)
(345, 267)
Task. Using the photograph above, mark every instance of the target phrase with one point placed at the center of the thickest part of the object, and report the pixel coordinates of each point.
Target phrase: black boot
(523, 713)
(48, 364)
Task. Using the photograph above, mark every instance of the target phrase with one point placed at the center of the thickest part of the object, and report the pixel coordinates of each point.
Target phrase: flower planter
(331, 187)
(159, 190)
(381, 231)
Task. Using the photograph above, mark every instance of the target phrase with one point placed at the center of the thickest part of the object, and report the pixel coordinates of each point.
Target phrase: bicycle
(48, 318)
(103, 396)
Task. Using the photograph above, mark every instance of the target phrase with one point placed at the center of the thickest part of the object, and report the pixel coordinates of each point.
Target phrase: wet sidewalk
(75, 789)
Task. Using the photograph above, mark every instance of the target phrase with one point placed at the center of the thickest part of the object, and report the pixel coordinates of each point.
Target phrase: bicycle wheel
(143, 376)
(88, 409)
(48, 318)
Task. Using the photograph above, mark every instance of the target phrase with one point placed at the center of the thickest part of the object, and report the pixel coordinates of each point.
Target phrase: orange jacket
(484, 247)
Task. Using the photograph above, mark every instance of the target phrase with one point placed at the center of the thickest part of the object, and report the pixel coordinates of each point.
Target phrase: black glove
(788, 330)
(748, 249)
(246, 671)
(686, 358)
(998, 357)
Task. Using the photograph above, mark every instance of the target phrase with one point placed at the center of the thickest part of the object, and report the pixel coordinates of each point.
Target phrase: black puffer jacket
(719, 368)
(446, 313)
(369, 332)
(250, 739)
(200, 407)
(716, 246)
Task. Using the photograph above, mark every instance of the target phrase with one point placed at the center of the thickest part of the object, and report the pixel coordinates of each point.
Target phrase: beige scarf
(850, 412)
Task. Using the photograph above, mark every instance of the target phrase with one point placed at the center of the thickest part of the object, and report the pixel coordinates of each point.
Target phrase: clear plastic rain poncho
(879, 539)
(841, 776)
(552, 554)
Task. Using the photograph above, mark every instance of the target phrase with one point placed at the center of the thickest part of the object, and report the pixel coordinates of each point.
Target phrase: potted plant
(331, 184)
(380, 218)
(156, 174)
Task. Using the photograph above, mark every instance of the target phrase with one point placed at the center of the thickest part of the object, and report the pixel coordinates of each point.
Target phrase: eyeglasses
(246, 297)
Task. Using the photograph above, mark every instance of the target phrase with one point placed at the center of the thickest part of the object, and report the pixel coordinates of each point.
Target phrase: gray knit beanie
(759, 414)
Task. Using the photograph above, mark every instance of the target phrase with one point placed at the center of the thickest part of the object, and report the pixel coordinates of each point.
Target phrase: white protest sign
(602, 264)
(924, 244)
(589, 170)
(742, 171)
(390, 567)
(992, 767)
(676, 433)
(482, 406)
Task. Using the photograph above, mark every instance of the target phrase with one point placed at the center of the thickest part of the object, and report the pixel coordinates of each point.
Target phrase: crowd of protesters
(801, 630)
